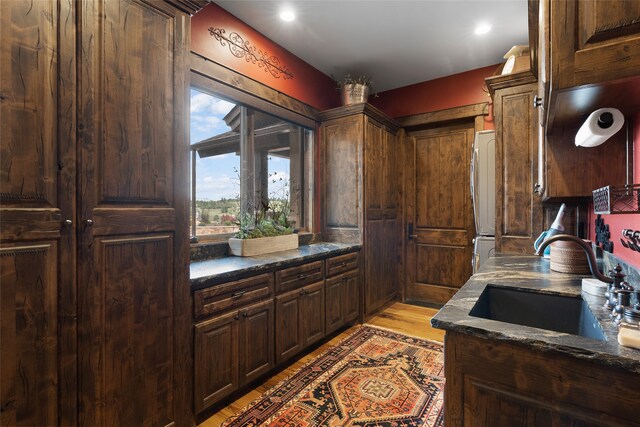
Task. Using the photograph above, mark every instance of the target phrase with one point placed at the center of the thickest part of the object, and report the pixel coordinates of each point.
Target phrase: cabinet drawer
(342, 263)
(232, 295)
(295, 277)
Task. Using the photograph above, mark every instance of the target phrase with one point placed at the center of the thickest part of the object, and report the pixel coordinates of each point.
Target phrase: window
(243, 160)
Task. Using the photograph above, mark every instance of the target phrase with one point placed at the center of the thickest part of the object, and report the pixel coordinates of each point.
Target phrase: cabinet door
(518, 209)
(37, 193)
(216, 360)
(594, 41)
(313, 314)
(134, 292)
(351, 296)
(289, 340)
(334, 302)
(256, 349)
(342, 191)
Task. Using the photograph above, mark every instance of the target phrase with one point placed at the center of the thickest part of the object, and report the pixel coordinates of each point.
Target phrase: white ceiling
(397, 42)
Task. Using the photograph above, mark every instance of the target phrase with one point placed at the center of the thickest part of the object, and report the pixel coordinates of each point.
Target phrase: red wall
(308, 85)
(621, 221)
(439, 94)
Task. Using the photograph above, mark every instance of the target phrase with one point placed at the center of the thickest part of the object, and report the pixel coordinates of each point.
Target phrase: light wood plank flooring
(407, 319)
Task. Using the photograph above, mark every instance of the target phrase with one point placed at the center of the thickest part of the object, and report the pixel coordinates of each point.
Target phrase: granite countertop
(533, 273)
(213, 271)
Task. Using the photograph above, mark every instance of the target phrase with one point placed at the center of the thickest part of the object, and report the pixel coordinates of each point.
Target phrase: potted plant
(354, 90)
(266, 230)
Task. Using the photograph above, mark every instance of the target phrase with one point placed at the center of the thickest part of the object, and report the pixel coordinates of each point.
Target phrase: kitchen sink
(558, 313)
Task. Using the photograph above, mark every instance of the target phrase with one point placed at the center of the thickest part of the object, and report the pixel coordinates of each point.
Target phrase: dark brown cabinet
(232, 350)
(493, 383)
(588, 58)
(300, 318)
(519, 211)
(361, 193)
(342, 292)
(94, 242)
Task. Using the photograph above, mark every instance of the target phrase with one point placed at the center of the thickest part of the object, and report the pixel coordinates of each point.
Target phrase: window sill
(219, 248)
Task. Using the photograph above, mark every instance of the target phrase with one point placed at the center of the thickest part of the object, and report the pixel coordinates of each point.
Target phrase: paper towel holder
(599, 126)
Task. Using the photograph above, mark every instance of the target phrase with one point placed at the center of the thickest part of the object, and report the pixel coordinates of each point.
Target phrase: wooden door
(256, 348)
(334, 301)
(134, 331)
(216, 360)
(289, 339)
(351, 296)
(376, 264)
(37, 196)
(518, 208)
(439, 212)
(313, 314)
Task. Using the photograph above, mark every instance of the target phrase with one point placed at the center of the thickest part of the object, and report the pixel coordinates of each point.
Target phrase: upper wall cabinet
(588, 57)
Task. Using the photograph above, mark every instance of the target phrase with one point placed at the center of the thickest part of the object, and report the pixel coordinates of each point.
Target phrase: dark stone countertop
(213, 271)
(533, 273)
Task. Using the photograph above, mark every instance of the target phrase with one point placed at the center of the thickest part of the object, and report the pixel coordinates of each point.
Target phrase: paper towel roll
(601, 125)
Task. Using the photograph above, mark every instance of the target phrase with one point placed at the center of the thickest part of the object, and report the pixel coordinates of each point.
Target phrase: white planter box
(262, 245)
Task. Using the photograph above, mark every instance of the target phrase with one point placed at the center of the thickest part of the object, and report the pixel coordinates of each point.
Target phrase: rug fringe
(402, 333)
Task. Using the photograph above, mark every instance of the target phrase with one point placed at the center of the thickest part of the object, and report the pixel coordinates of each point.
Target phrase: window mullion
(247, 163)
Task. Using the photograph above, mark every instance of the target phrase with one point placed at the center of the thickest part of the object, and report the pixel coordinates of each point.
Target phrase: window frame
(307, 197)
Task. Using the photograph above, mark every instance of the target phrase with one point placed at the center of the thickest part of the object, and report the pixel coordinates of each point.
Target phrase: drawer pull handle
(238, 294)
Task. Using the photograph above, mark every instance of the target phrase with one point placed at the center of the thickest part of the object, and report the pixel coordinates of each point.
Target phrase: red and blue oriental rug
(373, 378)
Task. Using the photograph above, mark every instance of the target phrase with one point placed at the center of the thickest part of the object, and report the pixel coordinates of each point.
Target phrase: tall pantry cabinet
(94, 201)
(361, 193)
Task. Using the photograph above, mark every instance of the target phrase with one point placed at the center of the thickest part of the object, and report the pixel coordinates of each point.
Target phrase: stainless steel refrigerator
(483, 193)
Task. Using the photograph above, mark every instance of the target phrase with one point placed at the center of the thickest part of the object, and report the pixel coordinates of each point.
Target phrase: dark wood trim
(456, 113)
(534, 13)
(362, 108)
(189, 6)
(208, 75)
(510, 80)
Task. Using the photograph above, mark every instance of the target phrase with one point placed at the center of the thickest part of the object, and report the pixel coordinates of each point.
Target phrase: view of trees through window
(216, 146)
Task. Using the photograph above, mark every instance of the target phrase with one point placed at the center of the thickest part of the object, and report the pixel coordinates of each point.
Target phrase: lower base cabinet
(499, 384)
(242, 331)
(232, 350)
(342, 301)
(300, 318)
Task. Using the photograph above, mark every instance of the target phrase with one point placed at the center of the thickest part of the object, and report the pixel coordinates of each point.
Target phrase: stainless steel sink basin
(558, 313)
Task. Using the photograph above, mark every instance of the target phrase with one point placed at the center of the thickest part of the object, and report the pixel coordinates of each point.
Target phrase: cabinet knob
(537, 101)
(301, 276)
(67, 223)
(236, 317)
(245, 314)
(89, 222)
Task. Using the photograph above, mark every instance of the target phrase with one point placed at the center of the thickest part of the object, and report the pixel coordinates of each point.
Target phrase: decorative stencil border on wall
(241, 48)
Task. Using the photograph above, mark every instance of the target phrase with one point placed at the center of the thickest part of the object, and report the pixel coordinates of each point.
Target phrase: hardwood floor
(407, 319)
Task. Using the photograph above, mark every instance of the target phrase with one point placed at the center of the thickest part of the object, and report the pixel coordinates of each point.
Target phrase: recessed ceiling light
(287, 15)
(482, 28)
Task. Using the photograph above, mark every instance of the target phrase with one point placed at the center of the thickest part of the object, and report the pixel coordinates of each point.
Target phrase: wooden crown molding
(362, 108)
(509, 80)
(450, 114)
(189, 6)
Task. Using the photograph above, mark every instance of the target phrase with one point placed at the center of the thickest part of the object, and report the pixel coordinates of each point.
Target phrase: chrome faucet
(591, 257)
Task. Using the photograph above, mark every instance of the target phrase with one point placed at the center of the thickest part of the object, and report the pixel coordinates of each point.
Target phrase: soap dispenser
(556, 228)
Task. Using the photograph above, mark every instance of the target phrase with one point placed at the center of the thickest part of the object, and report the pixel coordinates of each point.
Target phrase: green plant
(272, 218)
(266, 222)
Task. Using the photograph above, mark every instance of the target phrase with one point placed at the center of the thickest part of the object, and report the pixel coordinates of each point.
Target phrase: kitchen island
(505, 374)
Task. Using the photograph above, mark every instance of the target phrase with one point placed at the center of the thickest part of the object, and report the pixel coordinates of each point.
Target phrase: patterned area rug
(373, 378)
